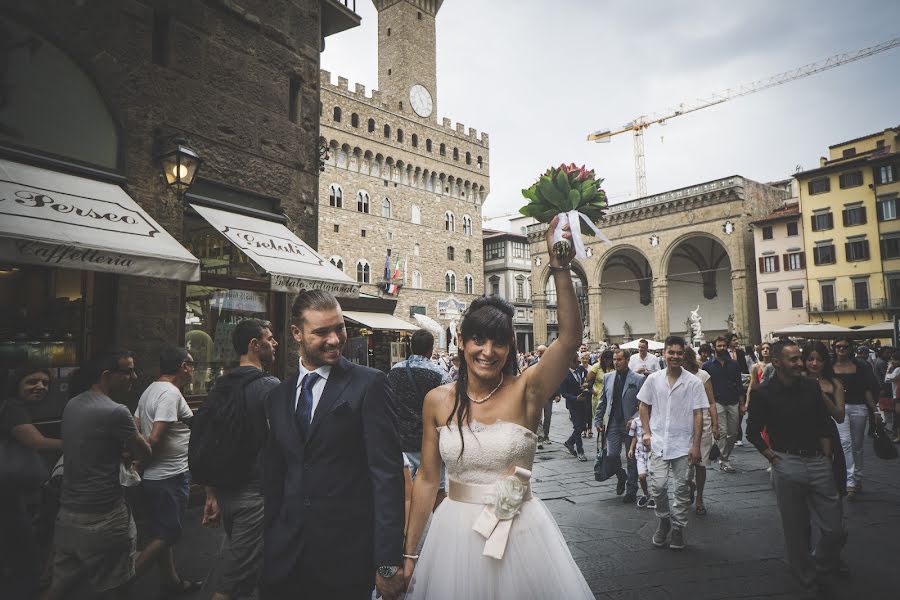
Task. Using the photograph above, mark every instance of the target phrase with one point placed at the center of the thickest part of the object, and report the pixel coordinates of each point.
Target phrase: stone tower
(407, 63)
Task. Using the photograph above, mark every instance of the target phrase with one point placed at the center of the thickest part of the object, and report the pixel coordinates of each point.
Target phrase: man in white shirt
(161, 417)
(672, 403)
(643, 363)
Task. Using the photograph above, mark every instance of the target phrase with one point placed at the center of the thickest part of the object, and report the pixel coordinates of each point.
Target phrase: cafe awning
(380, 321)
(814, 330)
(60, 220)
(291, 264)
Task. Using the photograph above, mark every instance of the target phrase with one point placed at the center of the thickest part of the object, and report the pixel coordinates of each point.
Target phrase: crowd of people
(342, 479)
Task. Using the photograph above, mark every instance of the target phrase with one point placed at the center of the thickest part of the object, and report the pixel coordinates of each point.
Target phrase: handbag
(884, 446)
(21, 468)
(605, 466)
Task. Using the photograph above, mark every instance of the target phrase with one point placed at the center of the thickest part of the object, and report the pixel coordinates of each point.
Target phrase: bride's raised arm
(543, 379)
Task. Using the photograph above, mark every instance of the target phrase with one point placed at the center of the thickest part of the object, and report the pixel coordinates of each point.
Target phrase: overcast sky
(538, 76)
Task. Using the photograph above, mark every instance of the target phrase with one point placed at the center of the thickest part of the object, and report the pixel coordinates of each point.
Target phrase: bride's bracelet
(411, 556)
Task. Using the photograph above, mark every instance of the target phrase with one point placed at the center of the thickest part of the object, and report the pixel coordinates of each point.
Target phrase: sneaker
(651, 503)
(571, 448)
(739, 443)
(581, 456)
(662, 531)
(620, 487)
(642, 501)
(726, 467)
(677, 541)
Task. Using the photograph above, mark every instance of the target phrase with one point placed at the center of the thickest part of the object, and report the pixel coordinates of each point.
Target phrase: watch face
(420, 100)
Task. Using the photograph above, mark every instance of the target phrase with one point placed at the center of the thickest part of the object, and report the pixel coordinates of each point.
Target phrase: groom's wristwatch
(387, 571)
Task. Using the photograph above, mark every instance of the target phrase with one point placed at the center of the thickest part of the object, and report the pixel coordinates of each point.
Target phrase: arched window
(387, 131)
(400, 135)
(520, 288)
(416, 216)
(443, 150)
(469, 283)
(428, 145)
(449, 224)
(456, 154)
(371, 125)
(495, 285)
(450, 281)
(363, 272)
(337, 261)
(480, 163)
(467, 225)
(417, 280)
(415, 141)
(335, 196)
(386, 208)
(468, 158)
(337, 114)
(451, 253)
(468, 255)
(362, 201)
(354, 120)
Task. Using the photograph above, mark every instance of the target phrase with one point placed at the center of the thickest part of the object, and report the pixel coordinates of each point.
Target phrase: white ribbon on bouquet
(573, 218)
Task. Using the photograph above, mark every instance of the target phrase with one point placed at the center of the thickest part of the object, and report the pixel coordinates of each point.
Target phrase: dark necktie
(303, 414)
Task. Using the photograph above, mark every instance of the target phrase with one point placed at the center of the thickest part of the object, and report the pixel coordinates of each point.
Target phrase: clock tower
(407, 58)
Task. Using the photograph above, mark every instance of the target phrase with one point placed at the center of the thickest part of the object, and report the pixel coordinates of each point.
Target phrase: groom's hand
(390, 589)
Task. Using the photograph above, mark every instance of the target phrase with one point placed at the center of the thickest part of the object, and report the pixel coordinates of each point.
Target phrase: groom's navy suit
(334, 499)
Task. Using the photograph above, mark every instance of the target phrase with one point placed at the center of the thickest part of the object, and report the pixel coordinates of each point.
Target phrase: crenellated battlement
(375, 100)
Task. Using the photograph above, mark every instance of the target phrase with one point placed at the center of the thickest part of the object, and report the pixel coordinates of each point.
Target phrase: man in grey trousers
(790, 407)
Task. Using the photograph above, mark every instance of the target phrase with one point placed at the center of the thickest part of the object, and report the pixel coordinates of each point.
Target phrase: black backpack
(224, 445)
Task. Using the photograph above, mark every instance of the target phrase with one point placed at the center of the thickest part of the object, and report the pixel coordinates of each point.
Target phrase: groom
(333, 471)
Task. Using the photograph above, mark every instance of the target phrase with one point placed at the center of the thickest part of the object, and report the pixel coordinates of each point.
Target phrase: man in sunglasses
(161, 416)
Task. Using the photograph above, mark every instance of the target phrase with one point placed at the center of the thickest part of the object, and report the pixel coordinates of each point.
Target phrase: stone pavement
(733, 552)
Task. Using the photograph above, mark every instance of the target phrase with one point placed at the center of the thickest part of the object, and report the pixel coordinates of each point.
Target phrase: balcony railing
(846, 306)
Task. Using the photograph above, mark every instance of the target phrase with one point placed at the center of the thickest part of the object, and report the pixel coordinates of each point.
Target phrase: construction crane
(638, 125)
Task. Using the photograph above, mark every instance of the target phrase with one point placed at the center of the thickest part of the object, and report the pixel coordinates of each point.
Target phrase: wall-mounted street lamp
(179, 165)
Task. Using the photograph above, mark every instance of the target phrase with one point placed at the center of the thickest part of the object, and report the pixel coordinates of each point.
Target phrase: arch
(451, 253)
(449, 281)
(449, 222)
(371, 125)
(337, 261)
(400, 136)
(625, 279)
(468, 255)
(363, 271)
(387, 131)
(480, 163)
(415, 141)
(667, 255)
(443, 149)
(469, 284)
(362, 201)
(456, 154)
(335, 196)
(336, 114)
(354, 120)
(468, 158)
(51, 105)
(428, 145)
(467, 225)
(386, 208)
(698, 272)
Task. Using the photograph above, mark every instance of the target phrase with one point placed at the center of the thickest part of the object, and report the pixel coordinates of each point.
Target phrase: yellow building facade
(849, 207)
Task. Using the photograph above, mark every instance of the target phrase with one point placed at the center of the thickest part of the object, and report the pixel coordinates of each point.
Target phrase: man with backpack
(228, 435)
(411, 380)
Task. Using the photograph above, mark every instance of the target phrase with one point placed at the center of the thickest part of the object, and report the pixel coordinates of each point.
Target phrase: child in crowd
(638, 453)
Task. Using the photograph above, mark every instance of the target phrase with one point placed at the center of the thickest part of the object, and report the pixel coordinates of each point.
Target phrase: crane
(639, 124)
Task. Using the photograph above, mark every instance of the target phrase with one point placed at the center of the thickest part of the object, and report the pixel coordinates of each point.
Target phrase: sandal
(700, 511)
(181, 588)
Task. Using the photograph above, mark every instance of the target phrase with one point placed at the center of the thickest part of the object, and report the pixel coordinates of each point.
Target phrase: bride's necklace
(488, 397)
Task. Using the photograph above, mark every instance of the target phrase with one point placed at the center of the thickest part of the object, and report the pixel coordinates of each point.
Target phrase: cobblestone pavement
(733, 552)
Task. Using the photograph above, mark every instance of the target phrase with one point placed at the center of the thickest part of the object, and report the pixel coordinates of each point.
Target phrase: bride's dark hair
(489, 318)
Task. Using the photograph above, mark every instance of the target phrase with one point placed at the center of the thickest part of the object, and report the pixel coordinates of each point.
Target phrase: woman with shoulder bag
(21, 473)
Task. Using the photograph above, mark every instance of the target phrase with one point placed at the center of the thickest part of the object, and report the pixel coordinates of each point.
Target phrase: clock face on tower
(420, 100)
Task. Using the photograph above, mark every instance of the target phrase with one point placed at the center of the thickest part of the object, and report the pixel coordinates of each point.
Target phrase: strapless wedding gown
(453, 565)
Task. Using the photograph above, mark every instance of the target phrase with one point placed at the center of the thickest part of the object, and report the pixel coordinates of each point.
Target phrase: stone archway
(698, 272)
(626, 289)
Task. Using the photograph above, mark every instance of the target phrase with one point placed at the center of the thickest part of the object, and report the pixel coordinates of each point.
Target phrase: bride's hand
(567, 234)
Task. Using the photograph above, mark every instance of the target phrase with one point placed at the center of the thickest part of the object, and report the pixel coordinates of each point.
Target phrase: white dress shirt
(323, 372)
(672, 417)
(651, 363)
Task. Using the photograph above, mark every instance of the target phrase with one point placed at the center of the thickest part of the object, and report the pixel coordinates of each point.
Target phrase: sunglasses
(841, 347)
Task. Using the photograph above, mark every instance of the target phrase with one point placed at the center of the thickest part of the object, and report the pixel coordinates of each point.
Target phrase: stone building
(400, 185)
(671, 253)
(94, 93)
(507, 273)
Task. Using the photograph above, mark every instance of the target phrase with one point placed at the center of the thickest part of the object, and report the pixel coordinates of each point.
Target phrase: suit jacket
(571, 387)
(335, 500)
(633, 383)
(741, 359)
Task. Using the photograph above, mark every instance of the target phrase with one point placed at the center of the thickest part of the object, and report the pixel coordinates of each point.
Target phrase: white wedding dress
(536, 563)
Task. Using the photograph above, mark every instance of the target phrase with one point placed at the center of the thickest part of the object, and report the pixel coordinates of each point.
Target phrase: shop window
(49, 105)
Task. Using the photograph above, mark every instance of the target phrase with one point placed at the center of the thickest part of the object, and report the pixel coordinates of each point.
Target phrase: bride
(491, 538)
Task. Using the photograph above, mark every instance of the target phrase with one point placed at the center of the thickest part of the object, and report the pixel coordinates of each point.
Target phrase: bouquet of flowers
(574, 194)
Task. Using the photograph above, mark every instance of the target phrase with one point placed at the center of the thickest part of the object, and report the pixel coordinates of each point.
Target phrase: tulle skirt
(537, 564)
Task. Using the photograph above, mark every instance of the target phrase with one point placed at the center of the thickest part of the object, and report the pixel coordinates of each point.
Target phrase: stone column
(539, 302)
(595, 309)
(742, 318)
(661, 307)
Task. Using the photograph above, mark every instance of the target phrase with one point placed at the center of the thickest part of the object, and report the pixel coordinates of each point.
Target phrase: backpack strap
(409, 374)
